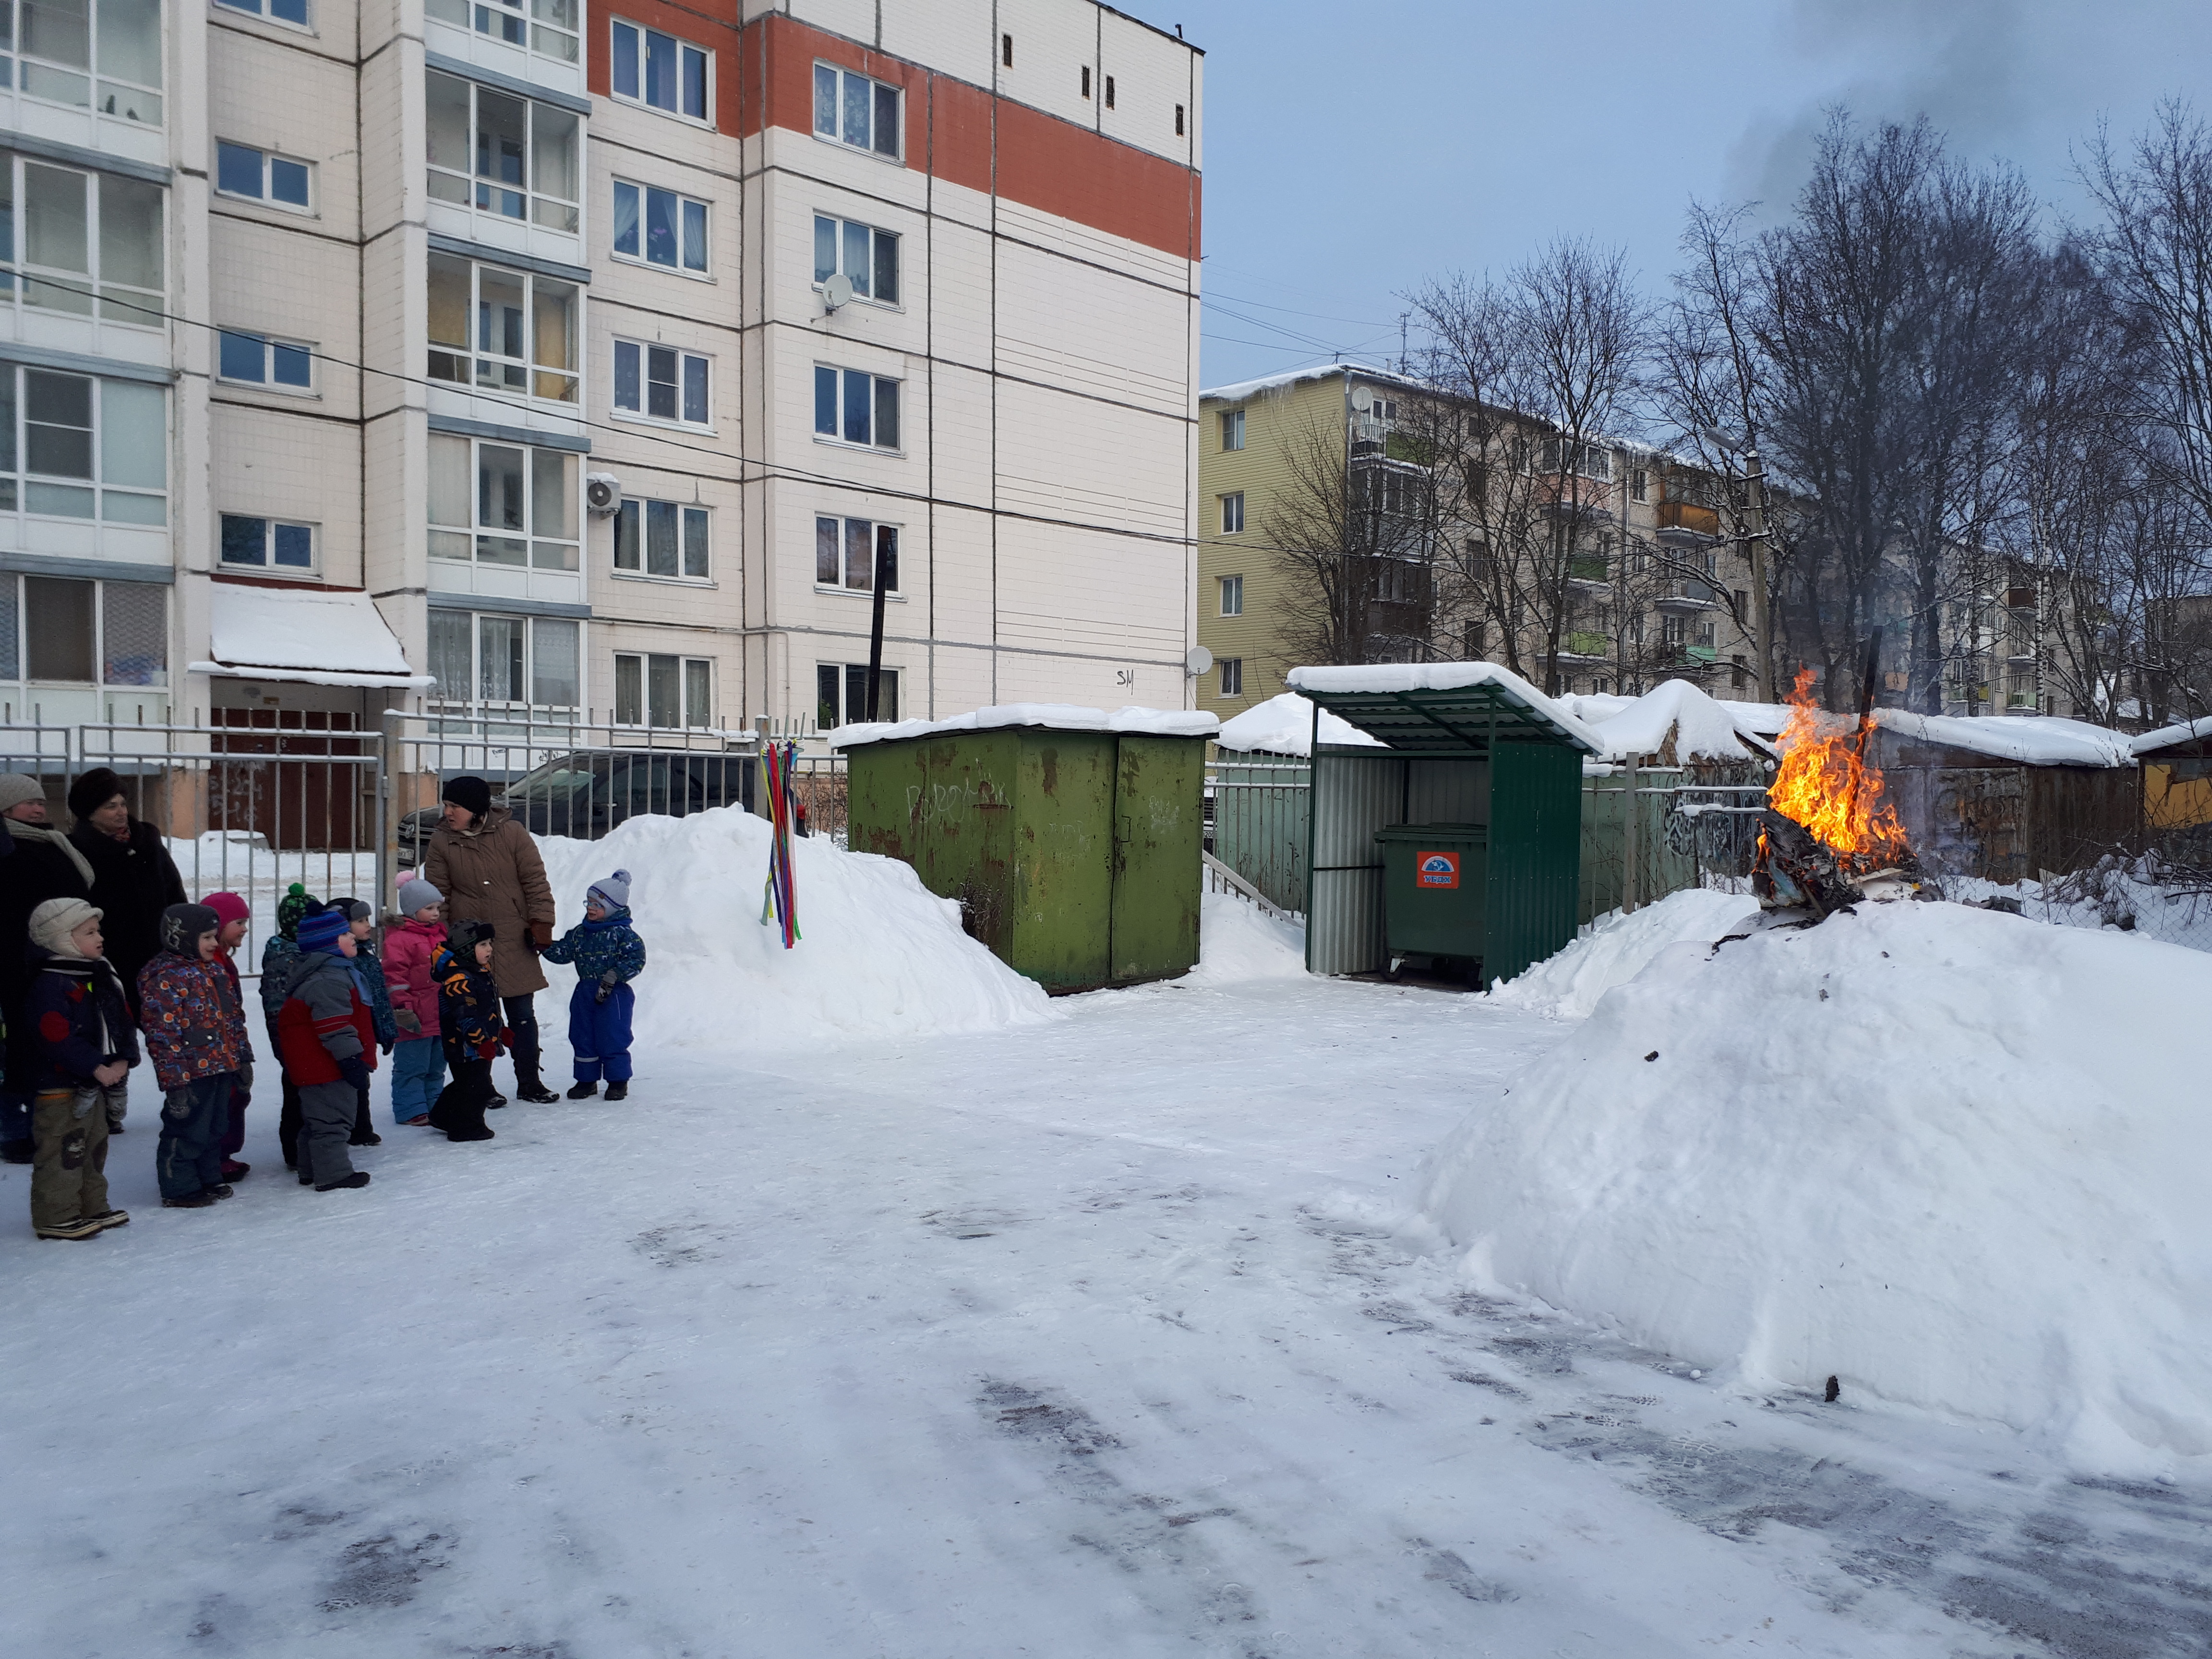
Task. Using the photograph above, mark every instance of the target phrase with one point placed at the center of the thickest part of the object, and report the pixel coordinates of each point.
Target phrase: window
(848, 552)
(60, 434)
(851, 109)
(96, 233)
(257, 360)
(84, 632)
(1473, 641)
(659, 227)
(1232, 676)
(870, 257)
(841, 694)
(1670, 631)
(284, 11)
(267, 544)
(1232, 596)
(1232, 513)
(103, 55)
(502, 331)
(663, 690)
(479, 658)
(494, 153)
(548, 27)
(1233, 429)
(1639, 484)
(1006, 50)
(496, 503)
(660, 71)
(261, 176)
(1589, 460)
(1109, 92)
(661, 383)
(661, 538)
(856, 408)
(1086, 80)
(1178, 120)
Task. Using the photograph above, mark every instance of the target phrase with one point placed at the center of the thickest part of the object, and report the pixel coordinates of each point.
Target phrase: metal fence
(1257, 815)
(1651, 830)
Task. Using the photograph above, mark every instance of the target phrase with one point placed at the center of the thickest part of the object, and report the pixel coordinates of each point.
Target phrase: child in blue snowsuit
(608, 954)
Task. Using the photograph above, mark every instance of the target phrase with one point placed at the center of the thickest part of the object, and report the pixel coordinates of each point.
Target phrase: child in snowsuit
(370, 971)
(279, 956)
(328, 1034)
(232, 912)
(196, 1036)
(81, 1021)
(608, 954)
(418, 1060)
(469, 1020)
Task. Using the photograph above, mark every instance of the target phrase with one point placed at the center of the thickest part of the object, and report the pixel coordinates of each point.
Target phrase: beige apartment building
(1650, 590)
(485, 355)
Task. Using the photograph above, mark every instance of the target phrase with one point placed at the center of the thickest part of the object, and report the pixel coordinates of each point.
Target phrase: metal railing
(1256, 814)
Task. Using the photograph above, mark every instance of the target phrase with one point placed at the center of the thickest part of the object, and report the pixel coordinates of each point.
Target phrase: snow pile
(2035, 740)
(1056, 716)
(1236, 940)
(1283, 725)
(1673, 720)
(1616, 948)
(879, 955)
(1949, 1155)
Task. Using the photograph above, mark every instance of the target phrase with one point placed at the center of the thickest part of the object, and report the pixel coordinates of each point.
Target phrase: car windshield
(551, 781)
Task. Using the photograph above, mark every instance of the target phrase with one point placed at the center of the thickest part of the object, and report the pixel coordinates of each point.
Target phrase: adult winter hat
(182, 925)
(322, 930)
(228, 907)
(16, 789)
(53, 923)
(94, 791)
(614, 888)
(414, 895)
(297, 902)
(470, 794)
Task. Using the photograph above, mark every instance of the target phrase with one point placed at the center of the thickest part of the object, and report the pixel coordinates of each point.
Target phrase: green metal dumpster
(1434, 885)
(1073, 850)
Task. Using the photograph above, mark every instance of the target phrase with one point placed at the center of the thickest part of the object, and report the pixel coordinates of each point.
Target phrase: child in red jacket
(418, 1060)
(327, 1031)
(232, 913)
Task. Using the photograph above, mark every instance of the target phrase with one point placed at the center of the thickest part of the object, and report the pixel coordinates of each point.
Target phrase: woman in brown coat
(487, 866)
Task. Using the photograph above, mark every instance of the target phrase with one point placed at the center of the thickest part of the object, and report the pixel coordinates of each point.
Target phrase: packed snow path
(1067, 1340)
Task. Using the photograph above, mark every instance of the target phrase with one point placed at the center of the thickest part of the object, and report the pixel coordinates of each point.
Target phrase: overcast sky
(1351, 151)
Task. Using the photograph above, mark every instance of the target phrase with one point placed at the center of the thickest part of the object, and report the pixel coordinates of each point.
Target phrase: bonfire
(1829, 834)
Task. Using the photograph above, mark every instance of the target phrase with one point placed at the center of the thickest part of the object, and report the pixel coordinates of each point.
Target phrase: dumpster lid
(1055, 716)
(1441, 705)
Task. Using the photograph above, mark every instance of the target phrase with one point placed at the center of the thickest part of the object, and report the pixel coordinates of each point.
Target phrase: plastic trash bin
(1434, 877)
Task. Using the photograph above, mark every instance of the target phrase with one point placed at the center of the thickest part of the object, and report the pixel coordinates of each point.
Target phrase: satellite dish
(1198, 661)
(837, 292)
(1362, 398)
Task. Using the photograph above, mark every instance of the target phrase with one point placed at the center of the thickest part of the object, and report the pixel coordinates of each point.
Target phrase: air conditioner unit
(602, 494)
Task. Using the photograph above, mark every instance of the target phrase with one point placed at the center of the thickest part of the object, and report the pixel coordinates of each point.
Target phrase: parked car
(586, 792)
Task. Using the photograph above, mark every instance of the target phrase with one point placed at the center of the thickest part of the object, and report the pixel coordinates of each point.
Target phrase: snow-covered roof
(2166, 735)
(1700, 728)
(1388, 676)
(320, 637)
(2035, 740)
(1283, 725)
(1242, 389)
(1765, 720)
(1057, 716)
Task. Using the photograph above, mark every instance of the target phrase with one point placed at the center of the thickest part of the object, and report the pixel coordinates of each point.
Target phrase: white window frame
(844, 383)
(267, 564)
(832, 126)
(475, 619)
(266, 381)
(635, 518)
(1233, 430)
(643, 356)
(101, 91)
(542, 208)
(560, 550)
(263, 197)
(1232, 596)
(874, 530)
(1232, 513)
(703, 272)
(840, 229)
(690, 672)
(526, 28)
(485, 368)
(131, 305)
(852, 681)
(1232, 676)
(15, 634)
(20, 484)
(268, 13)
(644, 35)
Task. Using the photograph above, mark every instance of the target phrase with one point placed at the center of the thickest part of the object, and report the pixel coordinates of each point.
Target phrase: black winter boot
(618, 1090)
(358, 1178)
(583, 1091)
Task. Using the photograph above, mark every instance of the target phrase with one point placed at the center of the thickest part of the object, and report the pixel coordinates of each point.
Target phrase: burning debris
(1829, 838)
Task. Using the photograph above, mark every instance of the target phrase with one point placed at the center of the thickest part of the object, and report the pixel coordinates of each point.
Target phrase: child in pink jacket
(419, 1063)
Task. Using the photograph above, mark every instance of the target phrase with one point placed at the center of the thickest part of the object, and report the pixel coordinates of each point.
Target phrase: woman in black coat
(134, 878)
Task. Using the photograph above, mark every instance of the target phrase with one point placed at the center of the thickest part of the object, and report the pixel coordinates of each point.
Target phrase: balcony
(1590, 570)
(1687, 523)
(1686, 593)
(2019, 598)
(1581, 643)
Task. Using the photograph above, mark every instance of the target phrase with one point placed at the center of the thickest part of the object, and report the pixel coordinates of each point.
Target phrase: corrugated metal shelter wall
(1455, 791)
(1535, 855)
(1353, 796)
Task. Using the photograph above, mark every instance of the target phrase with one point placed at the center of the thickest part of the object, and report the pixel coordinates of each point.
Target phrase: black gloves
(354, 1072)
(608, 980)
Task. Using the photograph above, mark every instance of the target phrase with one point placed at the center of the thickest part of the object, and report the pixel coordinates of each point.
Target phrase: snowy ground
(1074, 1339)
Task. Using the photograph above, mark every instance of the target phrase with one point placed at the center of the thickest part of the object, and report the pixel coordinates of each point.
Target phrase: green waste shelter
(1072, 839)
(1477, 769)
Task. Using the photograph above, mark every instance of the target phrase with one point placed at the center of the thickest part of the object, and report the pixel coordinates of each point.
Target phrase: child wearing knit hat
(82, 1022)
(328, 1034)
(410, 945)
(236, 916)
(279, 955)
(196, 1036)
(608, 954)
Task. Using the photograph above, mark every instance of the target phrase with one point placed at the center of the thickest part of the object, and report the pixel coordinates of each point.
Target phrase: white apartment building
(594, 356)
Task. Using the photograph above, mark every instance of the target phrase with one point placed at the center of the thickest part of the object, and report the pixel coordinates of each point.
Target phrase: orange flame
(1823, 785)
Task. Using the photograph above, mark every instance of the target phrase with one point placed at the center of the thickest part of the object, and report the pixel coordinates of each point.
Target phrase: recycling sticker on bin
(1435, 869)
